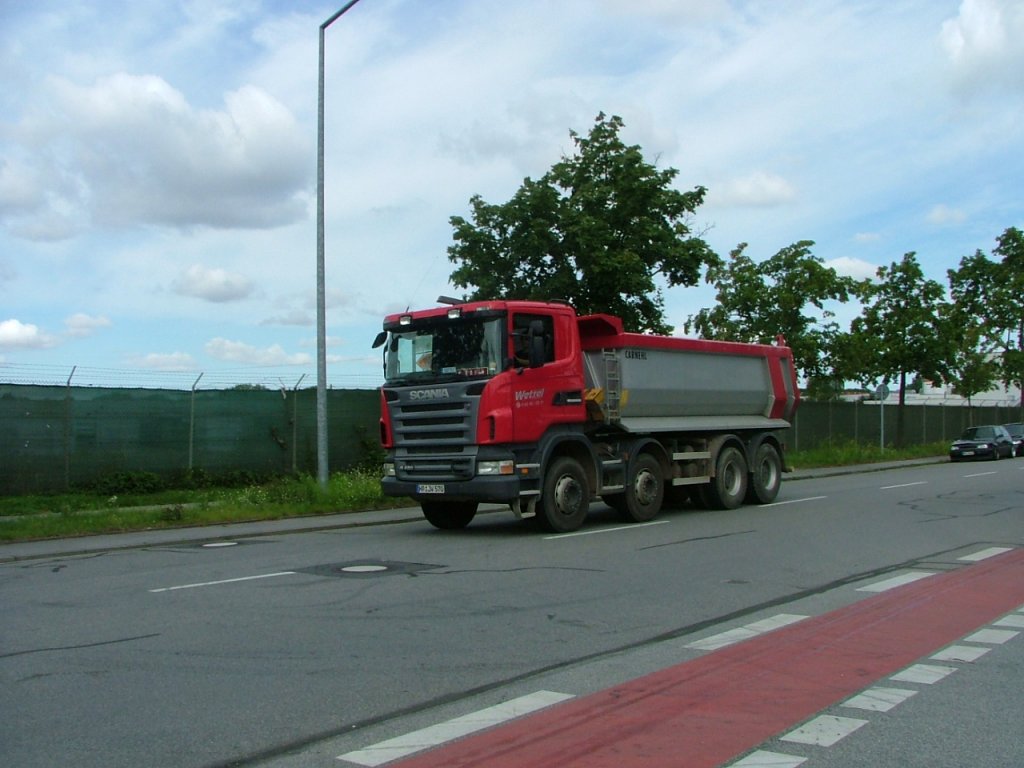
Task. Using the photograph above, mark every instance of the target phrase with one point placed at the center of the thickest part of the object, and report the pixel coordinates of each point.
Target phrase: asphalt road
(299, 643)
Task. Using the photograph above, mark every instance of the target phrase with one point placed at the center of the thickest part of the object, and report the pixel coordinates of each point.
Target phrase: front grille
(449, 425)
(433, 441)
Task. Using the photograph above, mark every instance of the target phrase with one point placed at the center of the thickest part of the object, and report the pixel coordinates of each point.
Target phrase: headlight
(389, 469)
(503, 467)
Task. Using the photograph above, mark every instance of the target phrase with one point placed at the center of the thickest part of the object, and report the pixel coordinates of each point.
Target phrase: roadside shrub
(127, 483)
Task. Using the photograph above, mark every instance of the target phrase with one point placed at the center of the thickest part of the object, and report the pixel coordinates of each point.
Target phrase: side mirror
(379, 341)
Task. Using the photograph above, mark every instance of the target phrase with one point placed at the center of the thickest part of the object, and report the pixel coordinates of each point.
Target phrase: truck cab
(470, 392)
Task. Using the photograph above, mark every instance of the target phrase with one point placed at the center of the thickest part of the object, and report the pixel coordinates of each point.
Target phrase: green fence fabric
(53, 438)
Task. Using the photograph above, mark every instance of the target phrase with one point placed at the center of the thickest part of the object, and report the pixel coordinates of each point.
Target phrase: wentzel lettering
(530, 394)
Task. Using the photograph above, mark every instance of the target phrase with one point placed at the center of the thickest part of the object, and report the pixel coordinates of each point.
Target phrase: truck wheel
(645, 490)
(765, 475)
(449, 515)
(565, 499)
(729, 485)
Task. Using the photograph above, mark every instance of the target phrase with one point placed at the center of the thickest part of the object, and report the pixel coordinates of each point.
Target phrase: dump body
(659, 383)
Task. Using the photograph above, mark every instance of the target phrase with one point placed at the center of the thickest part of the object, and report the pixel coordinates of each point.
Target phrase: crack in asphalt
(79, 647)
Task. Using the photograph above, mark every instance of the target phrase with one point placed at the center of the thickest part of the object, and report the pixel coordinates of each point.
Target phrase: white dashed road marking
(401, 746)
(896, 581)
(824, 731)
(224, 581)
(925, 674)
(984, 554)
(791, 501)
(879, 699)
(763, 759)
(965, 653)
(732, 636)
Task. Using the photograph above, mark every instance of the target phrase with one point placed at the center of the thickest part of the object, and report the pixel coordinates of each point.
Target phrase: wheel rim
(768, 475)
(731, 480)
(645, 487)
(568, 495)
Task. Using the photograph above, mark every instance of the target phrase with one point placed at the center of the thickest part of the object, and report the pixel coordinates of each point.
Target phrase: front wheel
(565, 498)
(449, 515)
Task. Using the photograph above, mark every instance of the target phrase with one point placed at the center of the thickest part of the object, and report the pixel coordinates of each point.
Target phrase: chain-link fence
(53, 438)
(868, 423)
(56, 437)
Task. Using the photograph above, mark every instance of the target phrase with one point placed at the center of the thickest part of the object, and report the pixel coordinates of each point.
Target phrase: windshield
(445, 349)
(978, 433)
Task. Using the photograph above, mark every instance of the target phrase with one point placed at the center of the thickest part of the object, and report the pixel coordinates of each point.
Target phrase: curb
(167, 537)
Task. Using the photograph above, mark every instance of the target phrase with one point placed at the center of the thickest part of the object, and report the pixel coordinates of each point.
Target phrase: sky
(158, 159)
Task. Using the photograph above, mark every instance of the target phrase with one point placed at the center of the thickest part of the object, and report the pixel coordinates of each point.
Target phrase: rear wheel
(645, 490)
(565, 498)
(729, 485)
(449, 515)
(765, 475)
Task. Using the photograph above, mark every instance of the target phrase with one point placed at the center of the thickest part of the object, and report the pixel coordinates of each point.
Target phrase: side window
(521, 324)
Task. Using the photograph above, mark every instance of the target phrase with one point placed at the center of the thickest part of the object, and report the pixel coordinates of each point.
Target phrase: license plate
(430, 488)
(967, 453)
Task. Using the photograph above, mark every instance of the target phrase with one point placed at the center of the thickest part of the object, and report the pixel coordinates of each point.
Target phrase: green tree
(783, 295)
(900, 330)
(1007, 307)
(602, 229)
(991, 291)
(973, 366)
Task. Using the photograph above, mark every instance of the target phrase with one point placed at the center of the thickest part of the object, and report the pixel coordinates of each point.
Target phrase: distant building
(933, 394)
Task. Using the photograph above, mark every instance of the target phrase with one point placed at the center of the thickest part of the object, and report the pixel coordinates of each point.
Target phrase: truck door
(547, 388)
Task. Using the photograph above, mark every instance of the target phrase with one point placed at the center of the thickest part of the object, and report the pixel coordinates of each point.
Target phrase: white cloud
(759, 189)
(15, 334)
(944, 215)
(19, 187)
(80, 324)
(291, 317)
(216, 285)
(240, 352)
(130, 150)
(172, 361)
(983, 43)
(855, 268)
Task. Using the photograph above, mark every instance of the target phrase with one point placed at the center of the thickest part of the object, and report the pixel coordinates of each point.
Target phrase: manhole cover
(368, 569)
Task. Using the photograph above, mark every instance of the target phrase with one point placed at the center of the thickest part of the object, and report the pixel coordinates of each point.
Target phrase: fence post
(295, 425)
(67, 430)
(192, 420)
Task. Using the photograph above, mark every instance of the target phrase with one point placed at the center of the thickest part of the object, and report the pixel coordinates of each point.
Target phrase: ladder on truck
(612, 385)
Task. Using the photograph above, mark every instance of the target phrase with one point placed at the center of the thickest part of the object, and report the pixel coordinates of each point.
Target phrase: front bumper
(502, 489)
(968, 452)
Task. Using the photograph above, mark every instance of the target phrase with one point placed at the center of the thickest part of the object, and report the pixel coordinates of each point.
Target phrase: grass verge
(26, 518)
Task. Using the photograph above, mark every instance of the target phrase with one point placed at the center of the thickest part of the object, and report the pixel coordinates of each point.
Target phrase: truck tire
(449, 515)
(565, 498)
(645, 490)
(765, 475)
(729, 485)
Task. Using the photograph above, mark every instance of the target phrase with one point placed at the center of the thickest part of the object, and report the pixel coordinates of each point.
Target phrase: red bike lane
(708, 711)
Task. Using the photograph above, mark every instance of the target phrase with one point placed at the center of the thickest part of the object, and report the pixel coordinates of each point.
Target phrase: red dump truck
(527, 404)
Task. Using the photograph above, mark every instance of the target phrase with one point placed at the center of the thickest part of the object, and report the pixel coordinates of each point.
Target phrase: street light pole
(322, 471)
